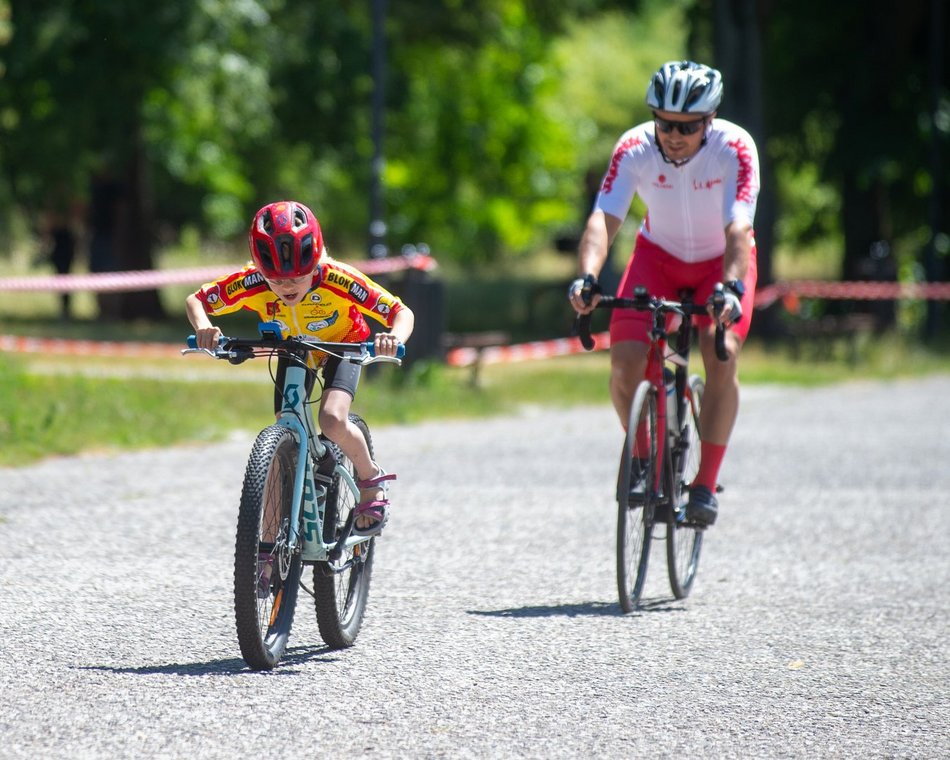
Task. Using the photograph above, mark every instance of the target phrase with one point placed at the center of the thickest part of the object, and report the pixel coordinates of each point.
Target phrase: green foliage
(606, 62)
(482, 168)
(237, 103)
(842, 130)
(497, 113)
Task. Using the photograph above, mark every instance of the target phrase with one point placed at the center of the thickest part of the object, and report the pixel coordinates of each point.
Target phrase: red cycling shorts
(665, 275)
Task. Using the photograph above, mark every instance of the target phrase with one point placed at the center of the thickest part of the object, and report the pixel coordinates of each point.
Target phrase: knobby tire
(264, 611)
(340, 597)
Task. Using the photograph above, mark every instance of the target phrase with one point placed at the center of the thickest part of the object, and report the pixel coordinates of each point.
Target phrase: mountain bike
(297, 509)
(661, 449)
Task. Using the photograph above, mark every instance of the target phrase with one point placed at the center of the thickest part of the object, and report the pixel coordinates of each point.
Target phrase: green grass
(95, 405)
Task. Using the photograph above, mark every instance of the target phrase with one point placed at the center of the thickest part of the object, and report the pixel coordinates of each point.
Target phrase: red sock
(710, 461)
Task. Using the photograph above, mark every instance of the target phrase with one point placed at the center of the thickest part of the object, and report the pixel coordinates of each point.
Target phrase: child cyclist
(291, 280)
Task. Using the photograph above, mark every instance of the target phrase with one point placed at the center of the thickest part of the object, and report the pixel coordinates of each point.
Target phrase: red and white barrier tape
(857, 291)
(127, 282)
(59, 346)
(458, 357)
(542, 349)
(463, 357)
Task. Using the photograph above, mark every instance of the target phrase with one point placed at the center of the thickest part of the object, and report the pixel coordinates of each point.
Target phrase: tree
(850, 96)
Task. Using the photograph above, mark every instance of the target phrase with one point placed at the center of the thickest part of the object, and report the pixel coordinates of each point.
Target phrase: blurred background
(144, 136)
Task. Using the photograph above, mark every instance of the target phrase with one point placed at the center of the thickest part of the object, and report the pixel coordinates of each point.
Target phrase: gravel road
(818, 626)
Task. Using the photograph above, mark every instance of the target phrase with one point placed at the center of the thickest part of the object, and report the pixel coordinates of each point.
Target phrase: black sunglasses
(685, 127)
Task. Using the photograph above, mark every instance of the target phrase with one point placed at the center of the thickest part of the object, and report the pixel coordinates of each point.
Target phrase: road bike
(297, 509)
(661, 448)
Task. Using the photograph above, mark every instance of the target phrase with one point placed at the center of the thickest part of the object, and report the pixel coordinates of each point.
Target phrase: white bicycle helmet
(685, 87)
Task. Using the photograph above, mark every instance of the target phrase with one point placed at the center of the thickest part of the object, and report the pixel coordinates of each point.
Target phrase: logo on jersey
(709, 184)
(662, 183)
(233, 288)
(315, 298)
(338, 279)
(359, 292)
(273, 308)
(253, 280)
(212, 297)
(323, 323)
(383, 308)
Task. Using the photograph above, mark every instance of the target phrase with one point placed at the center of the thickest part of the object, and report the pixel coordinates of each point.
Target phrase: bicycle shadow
(582, 609)
(231, 666)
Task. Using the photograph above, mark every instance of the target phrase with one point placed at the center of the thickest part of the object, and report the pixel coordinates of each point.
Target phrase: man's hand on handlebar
(584, 294)
(724, 305)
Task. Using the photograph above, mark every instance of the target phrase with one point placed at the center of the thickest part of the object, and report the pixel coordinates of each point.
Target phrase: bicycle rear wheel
(684, 542)
(341, 589)
(636, 497)
(266, 572)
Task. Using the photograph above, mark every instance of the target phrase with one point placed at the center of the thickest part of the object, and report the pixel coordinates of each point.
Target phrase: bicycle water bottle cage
(270, 331)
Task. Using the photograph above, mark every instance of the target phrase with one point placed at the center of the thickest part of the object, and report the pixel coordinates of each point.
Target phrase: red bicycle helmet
(285, 240)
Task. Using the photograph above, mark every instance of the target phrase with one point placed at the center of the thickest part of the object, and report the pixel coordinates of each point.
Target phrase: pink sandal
(376, 509)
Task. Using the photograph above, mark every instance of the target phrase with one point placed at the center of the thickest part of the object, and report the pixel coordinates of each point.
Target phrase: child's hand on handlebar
(207, 337)
(386, 344)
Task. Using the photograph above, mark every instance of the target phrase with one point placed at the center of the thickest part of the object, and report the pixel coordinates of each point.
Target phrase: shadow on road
(231, 666)
(582, 609)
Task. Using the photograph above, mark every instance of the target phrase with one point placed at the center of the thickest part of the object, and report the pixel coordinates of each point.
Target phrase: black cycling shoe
(702, 507)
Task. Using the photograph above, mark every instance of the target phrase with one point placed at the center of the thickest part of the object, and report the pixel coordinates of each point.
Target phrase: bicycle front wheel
(636, 497)
(341, 589)
(266, 571)
(684, 542)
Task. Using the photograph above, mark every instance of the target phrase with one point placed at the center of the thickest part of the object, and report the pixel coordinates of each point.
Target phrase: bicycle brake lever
(581, 329)
(718, 300)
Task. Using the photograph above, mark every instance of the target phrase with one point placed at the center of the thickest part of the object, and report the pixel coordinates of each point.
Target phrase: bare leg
(628, 364)
(721, 399)
(335, 424)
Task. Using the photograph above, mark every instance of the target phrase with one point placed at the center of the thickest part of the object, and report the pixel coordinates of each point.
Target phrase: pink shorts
(665, 276)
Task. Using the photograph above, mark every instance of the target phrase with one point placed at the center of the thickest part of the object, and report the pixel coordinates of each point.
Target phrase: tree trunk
(135, 235)
(739, 26)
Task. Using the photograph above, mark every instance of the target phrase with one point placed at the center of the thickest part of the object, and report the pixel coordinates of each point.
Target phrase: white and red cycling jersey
(688, 206)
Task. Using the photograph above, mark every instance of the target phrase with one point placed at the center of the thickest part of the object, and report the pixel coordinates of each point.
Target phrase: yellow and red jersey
(333, 309)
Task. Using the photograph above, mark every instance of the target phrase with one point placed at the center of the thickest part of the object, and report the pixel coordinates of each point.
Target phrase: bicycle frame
(670, 444)
(310, 484)
(308, 509)
(654, 374)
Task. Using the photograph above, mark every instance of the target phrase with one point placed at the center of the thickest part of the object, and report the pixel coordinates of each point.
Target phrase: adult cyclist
(698, 176)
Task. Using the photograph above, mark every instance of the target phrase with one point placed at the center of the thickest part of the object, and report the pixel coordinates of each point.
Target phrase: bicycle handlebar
(643, 301)
(238, 350)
